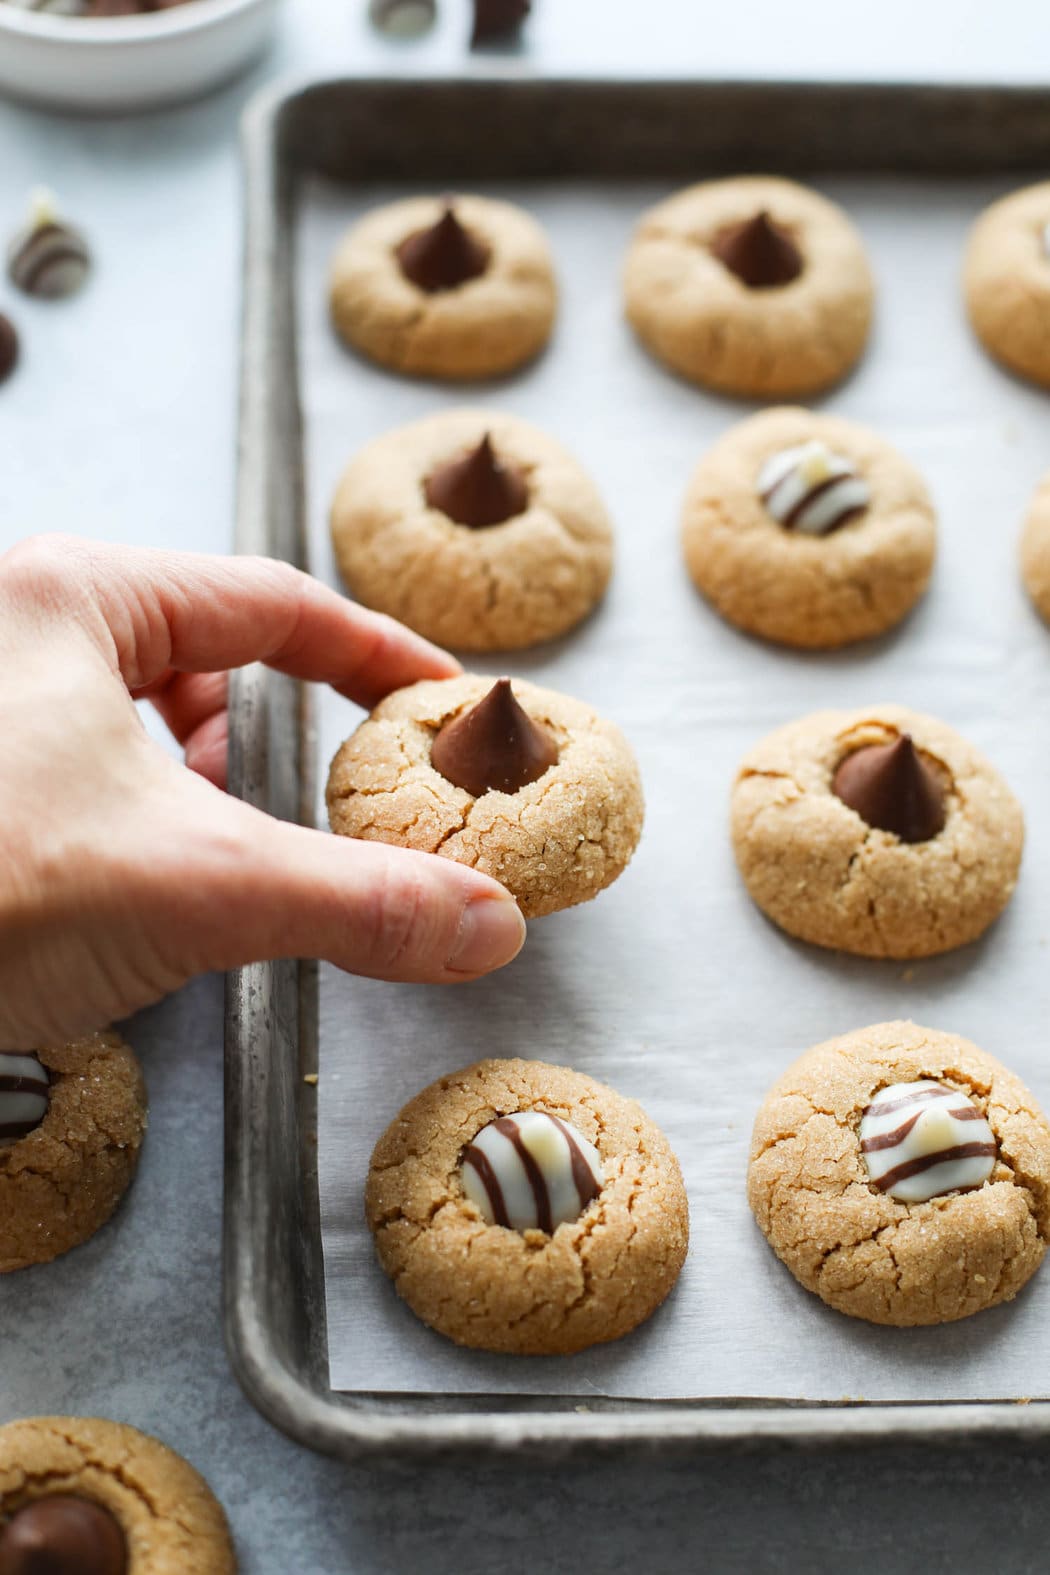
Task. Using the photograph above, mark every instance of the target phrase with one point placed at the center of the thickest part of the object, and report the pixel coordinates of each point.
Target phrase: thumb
(272, 889)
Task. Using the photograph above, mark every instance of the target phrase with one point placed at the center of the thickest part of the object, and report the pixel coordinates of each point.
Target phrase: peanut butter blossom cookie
(462, 287)
(72, 1119)
(808, 530)
(903, 1175)
(880, 832)
(477, 530)
(523, 784)
(1006, 280)
(753, 286)
(525, 1208)
(1035, 549)
(82, 1496)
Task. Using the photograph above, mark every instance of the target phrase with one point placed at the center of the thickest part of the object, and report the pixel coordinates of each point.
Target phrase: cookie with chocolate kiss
(881, 832)
(62, 1535)
(524, 784)
(477, 530)
(754, 285)
(453, 287)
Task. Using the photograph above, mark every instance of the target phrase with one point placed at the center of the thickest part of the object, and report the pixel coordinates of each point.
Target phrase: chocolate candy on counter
(443, 256)
(48, 258)
(8, 347)
(494, 746)
(402, 18)
(62, 1535)
(531, 1171)
(893, 789)
(760, 252)
(921, 1140)
(477, 490)
(25, 1092)
(810, 489)
(495, 19)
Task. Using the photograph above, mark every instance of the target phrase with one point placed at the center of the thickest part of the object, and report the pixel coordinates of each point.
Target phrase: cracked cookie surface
(593, 1280)
(1035, 550)
(862, 1251)
(499, 587)
(705, 323)
(558, 841)
(1006, 281)
(171, 1520)
(62, 1181)
(487, 325)
(816, 591)
(821, 873)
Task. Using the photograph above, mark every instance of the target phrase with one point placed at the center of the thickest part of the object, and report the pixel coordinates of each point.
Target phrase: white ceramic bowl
(129, 62)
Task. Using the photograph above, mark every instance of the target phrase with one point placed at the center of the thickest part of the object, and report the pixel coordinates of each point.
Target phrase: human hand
(122, 872)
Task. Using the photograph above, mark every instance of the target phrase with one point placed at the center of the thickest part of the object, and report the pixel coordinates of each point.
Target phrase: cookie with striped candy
(526, 1208)
(903, 1175)
(808, 530)
(72, 1120)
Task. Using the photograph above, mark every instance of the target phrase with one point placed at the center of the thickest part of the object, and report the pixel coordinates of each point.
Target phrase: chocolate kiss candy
(759, 252)
(48, 258)
(61, 1535)
(493, 745)
(494, 18)
(442, 256)
(891, 787)
(8, 347)
(477, 490)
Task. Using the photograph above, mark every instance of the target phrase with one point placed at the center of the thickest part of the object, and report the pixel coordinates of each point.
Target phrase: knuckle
(42, 568)
(401, 921)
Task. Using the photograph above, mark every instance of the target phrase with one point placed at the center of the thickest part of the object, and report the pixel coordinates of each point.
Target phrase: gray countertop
(129, 1326)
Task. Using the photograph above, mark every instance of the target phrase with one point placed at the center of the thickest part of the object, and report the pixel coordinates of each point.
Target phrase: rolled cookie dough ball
(526, 1291)
(808, 530)
(1035, 550)
(437, 289)
(476, 529)
(62, 1180)
(753, 286)
(817, 868)
(556, 840)
(870, 1254)
(165, 1512)
(1006, 281)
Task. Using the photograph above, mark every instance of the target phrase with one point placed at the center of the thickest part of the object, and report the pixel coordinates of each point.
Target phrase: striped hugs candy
(531, 1171)
(48, 258)
(808, 488)
(920, 1140)
(24, 1095)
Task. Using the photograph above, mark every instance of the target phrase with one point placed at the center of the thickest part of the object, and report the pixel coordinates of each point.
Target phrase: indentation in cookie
(892, 788)
(922, 1140)
(531, 1171)
(811, 489)
(761, 253)
(494, 745)
(25, 1091)
(62, 1535)
(442, 256)
(477, 489)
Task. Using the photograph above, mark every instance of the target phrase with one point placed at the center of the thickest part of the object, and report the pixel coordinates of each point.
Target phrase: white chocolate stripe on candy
(810, 489)
(531, 1171)
(921, 1140)
(24, 1095)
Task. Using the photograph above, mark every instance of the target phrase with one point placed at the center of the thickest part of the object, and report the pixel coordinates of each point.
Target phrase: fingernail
(491, 932)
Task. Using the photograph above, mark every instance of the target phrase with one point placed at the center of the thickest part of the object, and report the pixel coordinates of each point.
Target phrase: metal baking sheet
(702, 1015)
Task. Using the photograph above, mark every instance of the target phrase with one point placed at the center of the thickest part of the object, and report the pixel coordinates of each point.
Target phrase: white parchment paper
(671, 986)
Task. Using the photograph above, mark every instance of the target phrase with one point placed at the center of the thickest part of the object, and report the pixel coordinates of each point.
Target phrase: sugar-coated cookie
(91, 1497)
(72, 1120)
(526, 1208)
(1006, 281)
(878, 831)
(753, 285)
(521, 783)
(808, 530)
(455, 288)
(903, 1175)
(1035, 549)
(476, 529)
